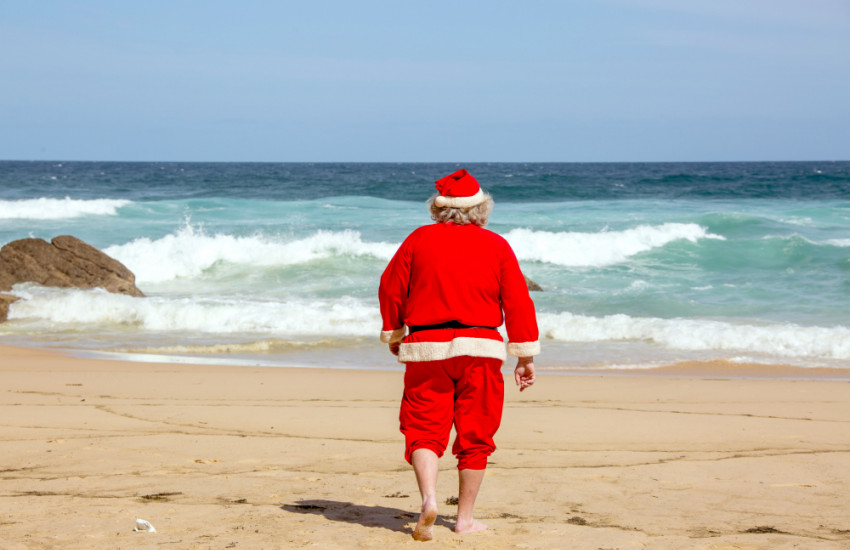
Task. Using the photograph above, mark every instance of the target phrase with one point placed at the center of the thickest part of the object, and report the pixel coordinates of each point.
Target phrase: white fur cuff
(460, 202)
(524, 349)
(392, 336)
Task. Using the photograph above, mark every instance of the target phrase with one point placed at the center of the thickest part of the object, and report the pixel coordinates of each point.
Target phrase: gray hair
(476, 215)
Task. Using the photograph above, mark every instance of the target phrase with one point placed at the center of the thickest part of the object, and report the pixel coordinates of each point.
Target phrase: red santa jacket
(448, 272)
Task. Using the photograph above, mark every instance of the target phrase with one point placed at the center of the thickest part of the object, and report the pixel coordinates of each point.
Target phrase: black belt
(447, 324)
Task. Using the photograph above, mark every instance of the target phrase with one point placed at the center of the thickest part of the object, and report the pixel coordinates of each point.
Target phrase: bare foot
(426, 522)
(471, 526)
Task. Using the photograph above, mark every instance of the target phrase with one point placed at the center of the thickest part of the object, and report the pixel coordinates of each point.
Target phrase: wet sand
(248, 457)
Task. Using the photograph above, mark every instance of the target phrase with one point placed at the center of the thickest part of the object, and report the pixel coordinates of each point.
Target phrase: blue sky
(531, 80)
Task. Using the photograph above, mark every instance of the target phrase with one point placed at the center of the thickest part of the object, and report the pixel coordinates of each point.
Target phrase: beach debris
(144, 526)
(577, 520)
(397, 494)
(452, 501)
(234, 500)
(65, 262)
(161, 496)
(762, 529)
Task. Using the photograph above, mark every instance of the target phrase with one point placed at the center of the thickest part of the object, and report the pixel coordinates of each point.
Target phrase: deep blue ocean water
(276, 264)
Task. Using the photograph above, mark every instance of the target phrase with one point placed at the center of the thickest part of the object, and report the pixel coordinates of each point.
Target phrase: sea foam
(575, 249)
(190, 251)
(75, 309)
(260, 346)
(782, 340)
(55, 209)
(55, 309)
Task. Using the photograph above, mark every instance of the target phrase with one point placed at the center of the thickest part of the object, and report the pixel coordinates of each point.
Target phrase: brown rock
(5, 301)
(532, 286)
(64, 262)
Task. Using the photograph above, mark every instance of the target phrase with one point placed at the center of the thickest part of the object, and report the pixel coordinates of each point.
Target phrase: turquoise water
(641, 264)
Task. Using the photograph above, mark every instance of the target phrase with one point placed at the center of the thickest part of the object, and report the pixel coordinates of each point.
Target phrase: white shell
(144, 525)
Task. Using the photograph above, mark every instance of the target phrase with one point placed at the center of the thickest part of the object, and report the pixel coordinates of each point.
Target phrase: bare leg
(426, 466)
(470, 483)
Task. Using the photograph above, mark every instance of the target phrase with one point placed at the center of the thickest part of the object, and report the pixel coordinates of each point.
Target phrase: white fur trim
(392, 336)
(434, 351)
(460, 202)
(523, 349)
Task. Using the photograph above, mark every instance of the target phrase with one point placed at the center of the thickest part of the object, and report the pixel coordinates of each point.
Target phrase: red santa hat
(459, 190)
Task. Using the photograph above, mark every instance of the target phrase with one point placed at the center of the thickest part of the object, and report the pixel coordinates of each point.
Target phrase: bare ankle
(470, 525)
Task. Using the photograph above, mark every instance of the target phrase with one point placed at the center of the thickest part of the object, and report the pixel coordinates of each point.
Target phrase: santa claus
(443, 296)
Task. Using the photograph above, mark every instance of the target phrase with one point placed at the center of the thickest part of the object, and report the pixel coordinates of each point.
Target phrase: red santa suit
(453, 286)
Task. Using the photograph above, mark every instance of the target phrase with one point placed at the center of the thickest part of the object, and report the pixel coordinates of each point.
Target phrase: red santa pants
(467, 391)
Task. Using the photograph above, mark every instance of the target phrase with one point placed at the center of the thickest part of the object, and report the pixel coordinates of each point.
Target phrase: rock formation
(5, 301)
(532, 286)
(64, 262)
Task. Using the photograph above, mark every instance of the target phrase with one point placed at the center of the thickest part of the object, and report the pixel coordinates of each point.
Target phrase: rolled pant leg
(479, 399)
(427, 407)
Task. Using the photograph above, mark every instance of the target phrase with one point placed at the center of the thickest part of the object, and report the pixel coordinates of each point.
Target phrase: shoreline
(713, 368)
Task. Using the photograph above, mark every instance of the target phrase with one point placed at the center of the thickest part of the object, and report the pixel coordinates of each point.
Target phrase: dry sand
(251, 458)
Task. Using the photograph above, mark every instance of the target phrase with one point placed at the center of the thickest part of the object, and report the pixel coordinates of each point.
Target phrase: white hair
(476, 215)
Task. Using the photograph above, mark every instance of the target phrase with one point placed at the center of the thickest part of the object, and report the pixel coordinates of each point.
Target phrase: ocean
(641, 265)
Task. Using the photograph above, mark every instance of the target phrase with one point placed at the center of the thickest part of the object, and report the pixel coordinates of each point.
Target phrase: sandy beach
(251, 458)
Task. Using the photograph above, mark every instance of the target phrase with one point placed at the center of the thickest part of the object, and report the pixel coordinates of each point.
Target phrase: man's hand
(524, 372)
(394, 347)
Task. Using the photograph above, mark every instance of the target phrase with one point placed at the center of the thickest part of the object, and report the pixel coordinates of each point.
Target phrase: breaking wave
(573, 249)
(56, 209)
(781, 340)
(65, 309)
(189, 251)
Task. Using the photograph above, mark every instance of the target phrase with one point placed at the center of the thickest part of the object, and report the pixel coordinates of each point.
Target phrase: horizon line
(426, 161)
